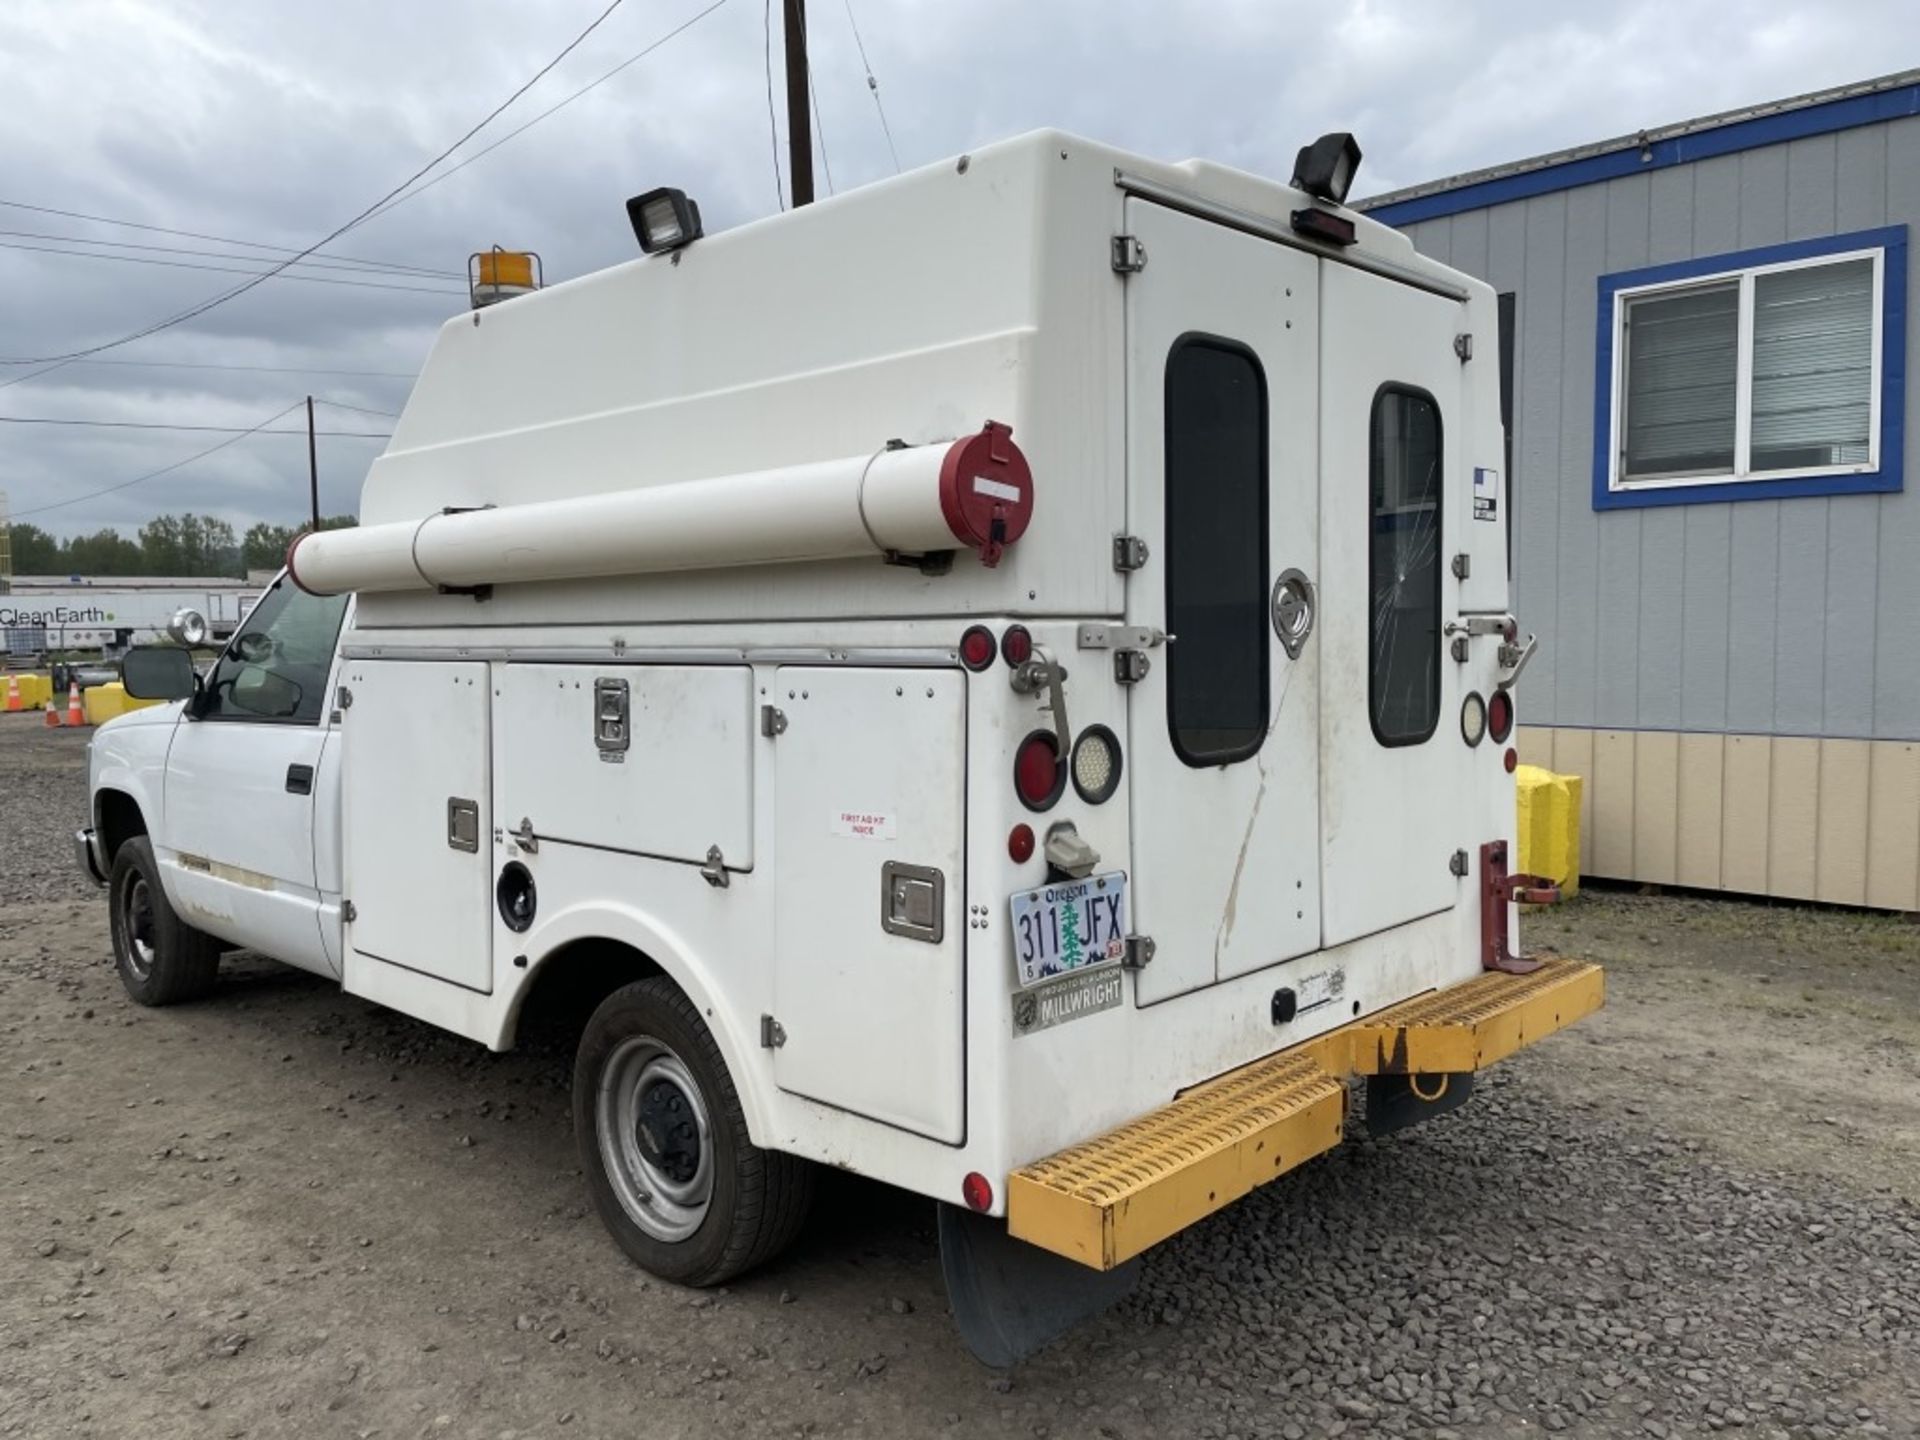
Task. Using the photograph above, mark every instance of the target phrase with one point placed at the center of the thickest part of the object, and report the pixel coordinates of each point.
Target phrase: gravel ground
(284, 1212)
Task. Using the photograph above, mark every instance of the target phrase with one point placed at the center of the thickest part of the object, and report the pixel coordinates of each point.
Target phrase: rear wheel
(664, 1143)
(162, 960)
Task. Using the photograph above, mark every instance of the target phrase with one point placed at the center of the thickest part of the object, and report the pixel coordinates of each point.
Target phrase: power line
(773, 125)
(221, 239)
(164, 469)
(279, 273)
(485, 151)
(874, 86)
(819, 129)
(405, 272)
(205, 305)
(268, 369)
(209, 429)
(363, 409)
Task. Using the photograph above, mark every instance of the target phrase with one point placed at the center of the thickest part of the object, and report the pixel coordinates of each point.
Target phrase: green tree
(105, 552)
(35, 552)
(265, 545)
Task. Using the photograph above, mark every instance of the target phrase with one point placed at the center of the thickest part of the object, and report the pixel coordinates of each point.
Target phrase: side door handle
(299, 779)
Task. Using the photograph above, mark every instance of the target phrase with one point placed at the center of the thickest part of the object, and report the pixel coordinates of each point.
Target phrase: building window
(1216, 537)
(1765, 374)
(1403, 562)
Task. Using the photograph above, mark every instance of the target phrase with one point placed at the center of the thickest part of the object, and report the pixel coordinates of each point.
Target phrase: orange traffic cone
(53, 717)
(13, 692)
(75, 715)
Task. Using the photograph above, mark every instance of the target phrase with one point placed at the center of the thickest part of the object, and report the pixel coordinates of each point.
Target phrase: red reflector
(1039, 775)
(977, 648)
(1335, 229)
(1020, 844)
(977, 1192)
(1016, 646)
(1512, 761)
(1500, 716)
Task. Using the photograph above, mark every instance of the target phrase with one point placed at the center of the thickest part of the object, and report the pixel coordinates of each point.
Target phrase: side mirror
(158, 672)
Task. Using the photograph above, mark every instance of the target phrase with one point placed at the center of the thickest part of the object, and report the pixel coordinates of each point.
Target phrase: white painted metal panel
(1390, 815)
(1226, 858)
(871, 769)
(683, 782)
(416, 738)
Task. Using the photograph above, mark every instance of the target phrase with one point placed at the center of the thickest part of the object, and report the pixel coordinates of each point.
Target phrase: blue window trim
(1844, 114)
(1893, 372)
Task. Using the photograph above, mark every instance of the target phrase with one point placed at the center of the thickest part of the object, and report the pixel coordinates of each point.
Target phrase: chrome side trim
(909, 658)
(1266, 229)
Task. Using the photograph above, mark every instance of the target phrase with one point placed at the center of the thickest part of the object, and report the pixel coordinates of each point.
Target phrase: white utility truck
(1002, 680)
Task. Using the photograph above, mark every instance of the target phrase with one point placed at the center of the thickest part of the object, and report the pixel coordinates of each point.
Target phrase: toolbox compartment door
(870, 939)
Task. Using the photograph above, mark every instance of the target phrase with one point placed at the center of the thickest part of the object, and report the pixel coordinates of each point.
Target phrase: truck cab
(1025, 716)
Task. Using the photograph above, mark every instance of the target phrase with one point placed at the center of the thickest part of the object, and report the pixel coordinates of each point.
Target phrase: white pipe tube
(976, 492)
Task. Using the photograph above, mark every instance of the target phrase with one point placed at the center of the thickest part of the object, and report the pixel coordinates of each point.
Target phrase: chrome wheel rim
(136, 914)
(655, 1140)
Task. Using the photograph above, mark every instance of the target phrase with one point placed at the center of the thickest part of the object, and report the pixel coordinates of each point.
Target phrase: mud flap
(1009, 1298)
(1399, 1102)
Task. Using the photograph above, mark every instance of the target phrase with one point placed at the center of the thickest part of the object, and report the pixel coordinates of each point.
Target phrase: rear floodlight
(1325, 169)
(664, 219)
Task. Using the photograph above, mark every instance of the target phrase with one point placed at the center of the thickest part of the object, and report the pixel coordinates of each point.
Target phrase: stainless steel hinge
(1098, 635)
(348, 912)
(1139, 952)
(1458, 864)
(773, 721)
(1130, 666)
(1129, 255)
(1463, 347)
(1129, 553)
(525, 838)
(772, 1033)
(1462, 565)
(345, 698)
(714, 872)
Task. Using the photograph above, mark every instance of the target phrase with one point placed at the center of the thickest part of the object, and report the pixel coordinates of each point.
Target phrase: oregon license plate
(1070, 926)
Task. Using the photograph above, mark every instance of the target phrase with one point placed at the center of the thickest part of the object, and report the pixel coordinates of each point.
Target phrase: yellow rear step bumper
(1103, 1202)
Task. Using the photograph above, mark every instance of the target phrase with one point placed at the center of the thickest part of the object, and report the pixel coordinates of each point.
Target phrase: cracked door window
(1403, 673)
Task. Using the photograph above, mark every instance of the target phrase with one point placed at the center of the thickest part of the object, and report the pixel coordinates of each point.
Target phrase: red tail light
(1039, 771)
(1500, 716)
(1020, 844)
(977, 1191)
(1016, 646)
(977, 648)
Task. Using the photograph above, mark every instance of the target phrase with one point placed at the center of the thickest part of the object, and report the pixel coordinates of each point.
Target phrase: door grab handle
(299, 779)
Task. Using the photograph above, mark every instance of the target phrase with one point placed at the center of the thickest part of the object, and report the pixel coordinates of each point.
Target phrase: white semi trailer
(1002, 681)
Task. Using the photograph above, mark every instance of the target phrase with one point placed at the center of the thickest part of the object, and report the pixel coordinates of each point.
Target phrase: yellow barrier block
(102, 703)
(1549, 826)
(35, 690)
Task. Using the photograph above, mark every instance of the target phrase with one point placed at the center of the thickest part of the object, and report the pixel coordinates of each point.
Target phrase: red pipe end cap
(986, 491)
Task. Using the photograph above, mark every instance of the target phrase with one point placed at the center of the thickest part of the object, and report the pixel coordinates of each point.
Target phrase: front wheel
(664, 1143)
(162, 960)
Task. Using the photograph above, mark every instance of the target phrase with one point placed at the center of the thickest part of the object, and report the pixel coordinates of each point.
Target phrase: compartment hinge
(714, 872)
(1130, 553)
(1130, 666)
(773, 721)
(525, 838)
(772, 1033)
(347, 911)
(1463, 347)
(1139, 952)
(1129, 255)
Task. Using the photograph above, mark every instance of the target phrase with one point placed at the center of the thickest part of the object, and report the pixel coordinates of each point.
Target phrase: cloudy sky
(261, 123)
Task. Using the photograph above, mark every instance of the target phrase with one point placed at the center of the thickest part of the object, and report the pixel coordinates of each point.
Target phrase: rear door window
(1404, 465)
(1216, 539)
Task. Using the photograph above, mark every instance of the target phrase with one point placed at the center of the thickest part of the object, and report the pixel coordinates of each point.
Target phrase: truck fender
(625, 925)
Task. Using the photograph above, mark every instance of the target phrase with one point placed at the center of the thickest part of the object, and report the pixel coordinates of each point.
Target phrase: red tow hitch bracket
(1498, 889)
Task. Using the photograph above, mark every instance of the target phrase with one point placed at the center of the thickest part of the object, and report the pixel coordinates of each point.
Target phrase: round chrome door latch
(1292, 611)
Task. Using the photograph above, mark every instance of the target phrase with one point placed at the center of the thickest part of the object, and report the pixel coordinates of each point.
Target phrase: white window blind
(1812, 366)
(1683, 362)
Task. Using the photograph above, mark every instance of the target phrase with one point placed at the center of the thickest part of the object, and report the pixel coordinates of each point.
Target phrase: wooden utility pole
(799, 128)
(313, 466)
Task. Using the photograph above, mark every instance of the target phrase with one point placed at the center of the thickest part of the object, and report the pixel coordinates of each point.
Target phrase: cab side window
(275, 668)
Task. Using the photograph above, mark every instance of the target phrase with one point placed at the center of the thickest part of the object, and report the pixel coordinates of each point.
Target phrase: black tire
(162, 960)
(642, 1047)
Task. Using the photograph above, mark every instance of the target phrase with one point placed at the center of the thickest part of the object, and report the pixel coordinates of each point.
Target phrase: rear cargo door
(869, 786)
(1222, 407)
(1392, 438)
